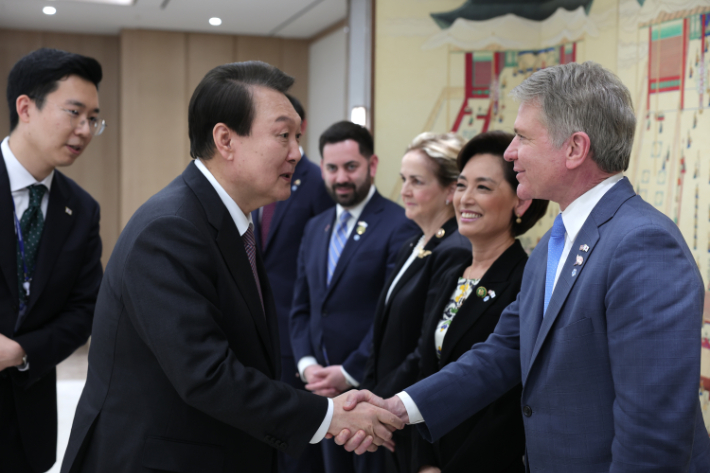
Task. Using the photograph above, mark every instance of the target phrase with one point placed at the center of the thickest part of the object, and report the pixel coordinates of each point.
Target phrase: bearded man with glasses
(50, 249)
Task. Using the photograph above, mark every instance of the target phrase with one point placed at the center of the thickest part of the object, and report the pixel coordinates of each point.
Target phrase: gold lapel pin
(481, 292)
(68, 210)
(423, 253)
(441, 233)
(361, 227)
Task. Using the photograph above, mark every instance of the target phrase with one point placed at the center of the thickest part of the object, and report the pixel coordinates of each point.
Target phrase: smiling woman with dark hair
(467, 303)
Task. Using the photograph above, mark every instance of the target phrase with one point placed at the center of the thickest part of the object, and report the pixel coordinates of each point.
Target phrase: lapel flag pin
(68, 210)
(492, 293)
(361, 227)
(584, 248)
(481, 292)
(295, 185)
(579, 261)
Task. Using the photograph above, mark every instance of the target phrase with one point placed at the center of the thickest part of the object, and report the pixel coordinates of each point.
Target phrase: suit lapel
(496, 280)
(230, 245)
(371, 215)
(8, 248)
(56, 229)
(588, 235)
(323, 246)
(282, 207)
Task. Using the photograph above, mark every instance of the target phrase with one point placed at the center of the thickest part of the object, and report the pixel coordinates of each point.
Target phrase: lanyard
(21, 244)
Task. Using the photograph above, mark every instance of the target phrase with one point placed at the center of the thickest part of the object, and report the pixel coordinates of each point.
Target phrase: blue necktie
(337, 242)
(554, 252)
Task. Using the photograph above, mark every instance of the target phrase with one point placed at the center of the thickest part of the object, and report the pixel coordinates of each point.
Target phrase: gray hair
(588, 98)
(442, 150)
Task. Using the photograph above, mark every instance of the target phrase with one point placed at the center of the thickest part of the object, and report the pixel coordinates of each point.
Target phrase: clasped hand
(362, 421)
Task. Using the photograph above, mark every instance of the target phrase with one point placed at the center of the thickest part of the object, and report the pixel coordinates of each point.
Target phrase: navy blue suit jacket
(308, 199)
(61, 305)
(610, 374)
(339, 317)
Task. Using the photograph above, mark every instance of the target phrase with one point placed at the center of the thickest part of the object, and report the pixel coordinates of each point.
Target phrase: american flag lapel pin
(584, 248)
(68, 210)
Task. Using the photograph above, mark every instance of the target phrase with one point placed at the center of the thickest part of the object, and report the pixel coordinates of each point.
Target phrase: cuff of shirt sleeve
(351, 381)
(415, 417)
(323, 429)
(304, 363)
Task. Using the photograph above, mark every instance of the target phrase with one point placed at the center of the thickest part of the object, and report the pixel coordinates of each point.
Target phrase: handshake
(362, 421)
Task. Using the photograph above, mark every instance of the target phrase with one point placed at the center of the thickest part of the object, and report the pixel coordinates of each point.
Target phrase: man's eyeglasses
(96, 124)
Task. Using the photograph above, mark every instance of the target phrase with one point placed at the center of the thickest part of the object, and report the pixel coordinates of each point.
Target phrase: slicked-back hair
(38, 74)
(346, 130)
(441, 149)
(297, 106)
(584, 97)
(224, 95)
(495, 143)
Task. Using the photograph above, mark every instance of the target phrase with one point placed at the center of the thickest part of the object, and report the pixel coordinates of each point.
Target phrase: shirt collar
(20, 178)
(578, 211)
(240, 220)
(357, 210)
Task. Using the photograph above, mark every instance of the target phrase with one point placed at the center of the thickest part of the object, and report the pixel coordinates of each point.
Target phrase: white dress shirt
(20, 181)
(573, 217)
(355, 213)
(415, 252)
(242, 222)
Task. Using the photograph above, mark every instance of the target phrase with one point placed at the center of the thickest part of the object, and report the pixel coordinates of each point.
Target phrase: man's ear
(373, 162)
(223, 140)
(23, 104)
(578, 147)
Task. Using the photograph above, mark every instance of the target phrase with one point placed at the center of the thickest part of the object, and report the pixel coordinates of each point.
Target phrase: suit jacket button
(527, 411)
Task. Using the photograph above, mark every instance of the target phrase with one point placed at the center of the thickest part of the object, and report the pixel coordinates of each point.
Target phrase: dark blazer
(398, 322)
(60, 309)
(339, 317)
(183, 356)
(308, 199)
(492, 440)
(610, 374)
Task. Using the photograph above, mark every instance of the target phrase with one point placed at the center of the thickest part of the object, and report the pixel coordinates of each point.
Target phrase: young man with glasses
(50, 250)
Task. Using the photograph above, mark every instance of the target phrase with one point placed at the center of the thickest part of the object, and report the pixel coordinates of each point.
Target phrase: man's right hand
(373, 426)
(312, 374)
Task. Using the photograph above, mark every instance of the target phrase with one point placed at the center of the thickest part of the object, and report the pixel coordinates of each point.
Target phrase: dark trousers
(12, 453)
(311, 460)
(337, 460)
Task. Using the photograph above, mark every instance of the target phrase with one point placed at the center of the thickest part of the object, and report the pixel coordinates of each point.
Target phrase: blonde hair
(442, 150)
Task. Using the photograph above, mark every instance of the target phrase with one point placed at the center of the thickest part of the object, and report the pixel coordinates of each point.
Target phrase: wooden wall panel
(153, 114)
(96, 170)
(294, 62)
(258, 48)
(204, 52)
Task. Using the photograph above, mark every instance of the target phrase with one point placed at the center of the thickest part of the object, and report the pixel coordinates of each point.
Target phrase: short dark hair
(495, 143)
(297, 106)
(224, 95)
(37, 74)
(346, 130)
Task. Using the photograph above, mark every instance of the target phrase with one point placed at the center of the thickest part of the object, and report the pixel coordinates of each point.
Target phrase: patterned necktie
(248, 240)
(31, 224)
(267, 214)
(337, 242)
(554, 252)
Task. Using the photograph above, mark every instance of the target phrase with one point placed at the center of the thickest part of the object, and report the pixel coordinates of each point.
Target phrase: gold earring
(518, 220)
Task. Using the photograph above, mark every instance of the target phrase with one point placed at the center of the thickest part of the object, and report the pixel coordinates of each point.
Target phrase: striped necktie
(249, 246)
(337, 242)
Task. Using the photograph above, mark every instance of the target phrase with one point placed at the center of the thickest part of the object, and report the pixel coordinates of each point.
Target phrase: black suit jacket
(183, 357)
(308, 199)
(398, 322)
(492, 440)
(60, 309)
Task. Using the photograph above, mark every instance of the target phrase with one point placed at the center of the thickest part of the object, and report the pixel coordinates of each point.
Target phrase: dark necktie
(31, 224)
(267, 214)
(248, 239)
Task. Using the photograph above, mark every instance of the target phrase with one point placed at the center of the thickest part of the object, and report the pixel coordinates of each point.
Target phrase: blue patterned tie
(337, 242)
(554, 252)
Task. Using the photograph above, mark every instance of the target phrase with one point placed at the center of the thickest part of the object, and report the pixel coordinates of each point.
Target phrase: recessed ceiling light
(49, 10)
(215, 21)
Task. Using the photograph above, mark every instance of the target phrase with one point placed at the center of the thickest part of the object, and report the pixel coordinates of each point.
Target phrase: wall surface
(327, 89)
(97, 169)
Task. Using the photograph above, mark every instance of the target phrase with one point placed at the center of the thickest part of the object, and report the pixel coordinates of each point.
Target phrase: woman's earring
(448, 201)
(518, 220)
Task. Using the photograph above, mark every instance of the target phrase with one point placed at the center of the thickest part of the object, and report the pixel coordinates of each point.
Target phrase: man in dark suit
(346, 256)
(605, 333)
(278, 230)
(50, 250)
(185, 359)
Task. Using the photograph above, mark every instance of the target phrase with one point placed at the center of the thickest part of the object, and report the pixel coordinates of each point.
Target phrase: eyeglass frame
(95, 130)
